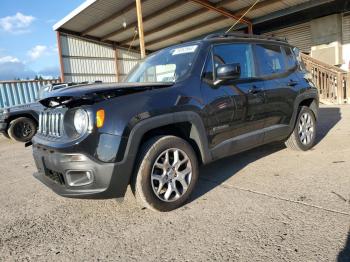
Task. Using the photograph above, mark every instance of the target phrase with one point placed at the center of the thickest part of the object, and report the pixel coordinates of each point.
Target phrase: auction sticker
(185, 50)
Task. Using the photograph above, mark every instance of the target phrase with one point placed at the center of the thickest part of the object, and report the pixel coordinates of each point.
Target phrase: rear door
(277, 66)
(234, 108)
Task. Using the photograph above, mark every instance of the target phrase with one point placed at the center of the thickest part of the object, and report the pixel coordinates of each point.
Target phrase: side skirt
(250, 140)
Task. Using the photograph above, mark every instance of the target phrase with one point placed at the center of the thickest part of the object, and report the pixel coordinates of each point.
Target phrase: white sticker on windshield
(184, 50)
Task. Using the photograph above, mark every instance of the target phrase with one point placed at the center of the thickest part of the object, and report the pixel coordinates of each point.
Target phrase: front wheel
(167, 174)
(304, 134)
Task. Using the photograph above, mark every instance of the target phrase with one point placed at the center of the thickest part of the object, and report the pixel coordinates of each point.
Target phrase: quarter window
(270, 59)
(290, 58)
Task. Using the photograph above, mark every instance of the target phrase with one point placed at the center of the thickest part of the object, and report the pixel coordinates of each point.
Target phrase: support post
(340, 87)
(140, 25)
(116, 64)
(341, 92)
(58, 35)
(250, 29)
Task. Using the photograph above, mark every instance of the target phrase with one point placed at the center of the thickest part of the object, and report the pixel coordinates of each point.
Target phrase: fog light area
(79, 178)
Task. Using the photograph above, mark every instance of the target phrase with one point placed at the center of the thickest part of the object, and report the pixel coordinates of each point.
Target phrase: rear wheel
(304, 133)
(167, 174)
(22, 129)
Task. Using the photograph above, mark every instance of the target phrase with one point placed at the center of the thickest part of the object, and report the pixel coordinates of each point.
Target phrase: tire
(151, 191)
(22, 129)
(304, 133)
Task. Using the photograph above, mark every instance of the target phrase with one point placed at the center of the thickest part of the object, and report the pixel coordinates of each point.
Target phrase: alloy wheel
(306, 129)
(171, 175)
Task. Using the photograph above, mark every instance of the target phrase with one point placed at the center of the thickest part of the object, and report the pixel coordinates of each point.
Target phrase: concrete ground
(268, 204)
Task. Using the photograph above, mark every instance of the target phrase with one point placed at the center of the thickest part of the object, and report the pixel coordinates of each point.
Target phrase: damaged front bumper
(79, 176)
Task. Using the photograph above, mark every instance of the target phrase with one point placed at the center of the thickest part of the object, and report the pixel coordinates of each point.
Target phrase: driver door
(234, 108)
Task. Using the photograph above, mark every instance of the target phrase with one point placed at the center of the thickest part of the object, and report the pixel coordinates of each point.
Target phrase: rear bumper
(109, 180)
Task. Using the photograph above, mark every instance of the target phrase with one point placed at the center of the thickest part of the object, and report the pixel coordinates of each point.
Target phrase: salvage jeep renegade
(184, 106)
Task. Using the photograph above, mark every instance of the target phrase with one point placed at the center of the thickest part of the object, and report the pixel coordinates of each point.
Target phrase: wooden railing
(333, 83)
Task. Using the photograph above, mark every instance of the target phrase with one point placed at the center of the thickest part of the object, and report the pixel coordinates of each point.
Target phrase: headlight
(81, 121)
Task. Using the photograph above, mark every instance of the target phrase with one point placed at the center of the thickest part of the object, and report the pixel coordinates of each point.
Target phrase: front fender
(198, 133)
(133, 143)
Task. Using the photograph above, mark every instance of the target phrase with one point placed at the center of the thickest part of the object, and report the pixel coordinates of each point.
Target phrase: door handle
(255, 90)
(292, 83)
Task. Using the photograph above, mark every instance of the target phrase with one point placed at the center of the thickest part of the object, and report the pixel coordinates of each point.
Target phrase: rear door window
(270, 59)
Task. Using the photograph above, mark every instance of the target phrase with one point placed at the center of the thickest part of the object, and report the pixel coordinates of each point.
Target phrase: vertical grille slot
(51, 124)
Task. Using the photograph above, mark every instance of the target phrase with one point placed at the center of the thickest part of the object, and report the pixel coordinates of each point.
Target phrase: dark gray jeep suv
(184, 106)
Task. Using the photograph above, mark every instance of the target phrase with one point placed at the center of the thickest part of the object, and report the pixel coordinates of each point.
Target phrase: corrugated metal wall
(346, 41)
(20, 92)
(126, 62)
(346, 28)
(85, 60)
(298, 35)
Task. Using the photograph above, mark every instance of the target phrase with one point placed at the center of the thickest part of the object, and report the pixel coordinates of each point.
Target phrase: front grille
(55, 176)
(51, 124)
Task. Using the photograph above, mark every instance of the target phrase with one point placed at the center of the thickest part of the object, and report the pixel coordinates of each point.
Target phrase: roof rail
(242, 35)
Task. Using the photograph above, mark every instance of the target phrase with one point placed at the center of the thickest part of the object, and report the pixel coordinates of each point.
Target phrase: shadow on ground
(327, 119)
(218, 172)
(344, 255)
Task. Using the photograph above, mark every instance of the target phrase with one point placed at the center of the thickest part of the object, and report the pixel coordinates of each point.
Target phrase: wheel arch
(184, 130)
(187, 125)
(309, 99)
(146, 127)
(311, 103)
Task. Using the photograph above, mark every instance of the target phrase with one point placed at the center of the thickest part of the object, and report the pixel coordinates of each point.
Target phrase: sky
(28, 45)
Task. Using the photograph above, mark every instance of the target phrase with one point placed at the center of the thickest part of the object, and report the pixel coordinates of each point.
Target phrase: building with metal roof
(104, 39)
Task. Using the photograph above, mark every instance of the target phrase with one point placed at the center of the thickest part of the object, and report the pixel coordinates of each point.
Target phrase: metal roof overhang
(168, 22)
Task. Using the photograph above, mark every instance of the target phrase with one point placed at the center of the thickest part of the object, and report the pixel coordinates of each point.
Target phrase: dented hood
(89, 94)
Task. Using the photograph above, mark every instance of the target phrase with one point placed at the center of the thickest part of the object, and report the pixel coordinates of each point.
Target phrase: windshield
(168, 65)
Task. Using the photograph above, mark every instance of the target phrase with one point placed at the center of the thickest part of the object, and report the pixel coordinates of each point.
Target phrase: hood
(89, 94)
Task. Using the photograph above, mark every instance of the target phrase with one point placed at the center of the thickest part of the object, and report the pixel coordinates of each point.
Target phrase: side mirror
(228, 72)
